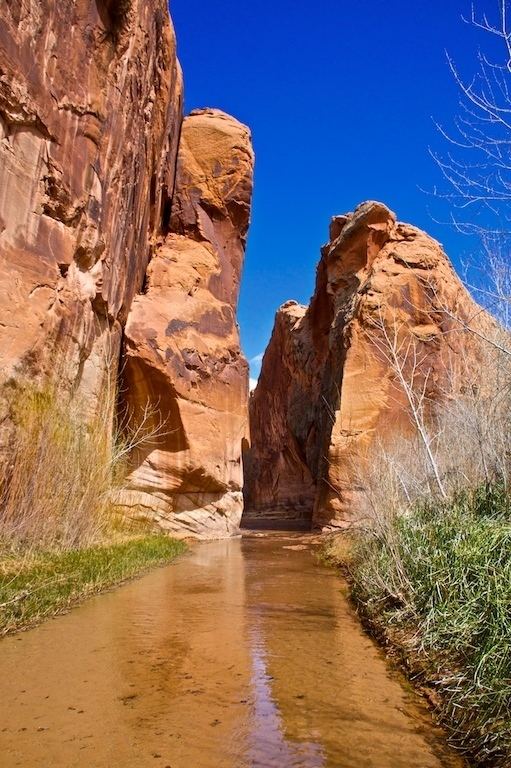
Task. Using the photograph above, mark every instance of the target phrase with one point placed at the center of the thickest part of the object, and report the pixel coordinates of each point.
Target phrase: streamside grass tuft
(61, 537)
(436, 583)
(42, 584)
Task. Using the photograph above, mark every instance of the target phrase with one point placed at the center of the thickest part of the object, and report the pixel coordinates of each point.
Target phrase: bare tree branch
(477, 170)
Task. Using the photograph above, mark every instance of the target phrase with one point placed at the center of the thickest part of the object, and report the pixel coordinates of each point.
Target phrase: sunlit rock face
(117, 252)
(182, 348)
(90, 113)
(327, 389)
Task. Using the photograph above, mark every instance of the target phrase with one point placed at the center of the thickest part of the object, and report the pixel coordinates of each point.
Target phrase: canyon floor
(242, 653)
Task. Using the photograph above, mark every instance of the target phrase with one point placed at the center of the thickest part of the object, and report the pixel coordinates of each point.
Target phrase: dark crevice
(166, 213)
(114, 16)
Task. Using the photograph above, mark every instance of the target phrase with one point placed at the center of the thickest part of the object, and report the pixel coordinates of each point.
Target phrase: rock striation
(182, 347)
(90, 114)
(328, 387)
(103, 256)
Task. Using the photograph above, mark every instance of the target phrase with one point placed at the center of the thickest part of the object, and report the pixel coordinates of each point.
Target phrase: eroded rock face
(182, 349)
(327, 389)
(90, 113)
(102, 254)
(280, 465)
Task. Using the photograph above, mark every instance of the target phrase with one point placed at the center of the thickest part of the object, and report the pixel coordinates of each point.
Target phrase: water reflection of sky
(269, 747)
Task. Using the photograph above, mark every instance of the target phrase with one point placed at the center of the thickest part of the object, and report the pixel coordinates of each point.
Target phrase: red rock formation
(327, 389)
(279, 467)
(90, 122)
(90, 113)
(183, 357)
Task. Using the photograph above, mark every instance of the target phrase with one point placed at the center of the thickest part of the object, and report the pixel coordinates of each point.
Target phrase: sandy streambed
(242, 654)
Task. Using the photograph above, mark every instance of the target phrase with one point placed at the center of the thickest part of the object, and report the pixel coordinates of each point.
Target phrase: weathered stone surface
(279, 474)
(182, 354)
(327, 389)
(90, 113)
(94, 244)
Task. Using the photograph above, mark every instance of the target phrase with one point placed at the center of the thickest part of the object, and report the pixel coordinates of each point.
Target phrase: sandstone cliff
(328, 389)
(90, 124)
(90, 114)
(183, 355)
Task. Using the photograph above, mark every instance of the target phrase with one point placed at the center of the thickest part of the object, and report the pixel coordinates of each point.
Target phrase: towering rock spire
(328, 391)
(182, 351)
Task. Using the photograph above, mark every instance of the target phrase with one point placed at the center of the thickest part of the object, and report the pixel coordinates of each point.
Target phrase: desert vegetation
(57, 472)
(435, 585)
(61, 537)
(430, 566)
(48, 582)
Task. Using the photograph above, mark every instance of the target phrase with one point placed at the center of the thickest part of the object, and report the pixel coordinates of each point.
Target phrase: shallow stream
(242, 654)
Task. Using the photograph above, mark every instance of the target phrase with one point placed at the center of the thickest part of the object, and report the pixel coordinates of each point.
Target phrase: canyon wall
(122, 236)
(100, 260)
(329, 389)
(90, 115)
(182, 348)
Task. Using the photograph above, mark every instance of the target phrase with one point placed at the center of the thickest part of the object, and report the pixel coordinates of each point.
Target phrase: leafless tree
(408, 362)
(477, 166)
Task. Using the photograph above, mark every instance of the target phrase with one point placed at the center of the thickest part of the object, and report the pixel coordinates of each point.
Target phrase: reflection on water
(268, 742)
(242, 654)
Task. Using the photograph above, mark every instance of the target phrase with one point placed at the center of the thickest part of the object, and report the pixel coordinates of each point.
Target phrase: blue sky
(339, 95)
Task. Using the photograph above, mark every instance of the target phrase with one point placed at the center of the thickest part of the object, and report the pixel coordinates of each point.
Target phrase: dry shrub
(56, 472)
(458, 439)
(433, 569)
(61, 468)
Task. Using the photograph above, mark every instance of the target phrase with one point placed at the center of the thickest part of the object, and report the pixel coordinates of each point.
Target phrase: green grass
(40, 585)
(436, 583)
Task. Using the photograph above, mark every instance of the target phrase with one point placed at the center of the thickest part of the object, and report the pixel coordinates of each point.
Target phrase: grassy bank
(435, 584)
(40, 585)
(61, 536)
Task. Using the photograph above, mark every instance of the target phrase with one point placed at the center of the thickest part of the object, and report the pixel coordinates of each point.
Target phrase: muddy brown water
(241, 654)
